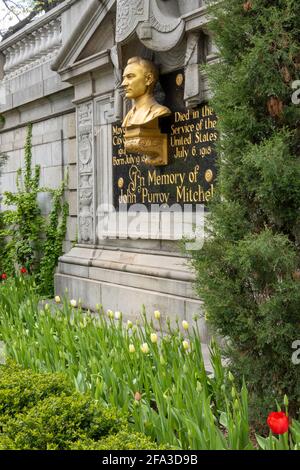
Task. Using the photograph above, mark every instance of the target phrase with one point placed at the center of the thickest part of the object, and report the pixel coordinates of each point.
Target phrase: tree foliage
(248, 271)
(20, 13)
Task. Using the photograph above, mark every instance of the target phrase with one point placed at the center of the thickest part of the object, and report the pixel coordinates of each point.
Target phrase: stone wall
(54, 149)
(32, 93)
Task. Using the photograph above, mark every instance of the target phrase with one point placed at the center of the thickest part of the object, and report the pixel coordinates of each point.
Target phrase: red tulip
(4, 276)
(278, 422)
(23, 270)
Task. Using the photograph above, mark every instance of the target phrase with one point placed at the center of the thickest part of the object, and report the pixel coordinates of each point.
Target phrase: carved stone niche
(157, 23)
(187, 6)
(156, 29)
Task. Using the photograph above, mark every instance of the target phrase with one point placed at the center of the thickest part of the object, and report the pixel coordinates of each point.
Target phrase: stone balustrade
(37, 47)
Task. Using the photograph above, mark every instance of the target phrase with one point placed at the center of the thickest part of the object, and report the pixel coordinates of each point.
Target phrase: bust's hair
(148, 66)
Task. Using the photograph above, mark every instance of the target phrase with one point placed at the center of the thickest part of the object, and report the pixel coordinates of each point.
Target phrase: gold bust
(139, 79)
(142, 133)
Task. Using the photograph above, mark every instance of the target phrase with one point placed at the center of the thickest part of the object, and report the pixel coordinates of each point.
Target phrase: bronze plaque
(190, 174)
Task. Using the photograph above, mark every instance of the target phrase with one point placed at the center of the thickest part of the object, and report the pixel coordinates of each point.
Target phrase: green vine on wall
(55, 235)
(24, 223)
(30, 240)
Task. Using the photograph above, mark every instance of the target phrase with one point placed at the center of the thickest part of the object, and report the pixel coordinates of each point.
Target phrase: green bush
(123, 440)
(57, 421)
(22, 389)
(247, 271)
(41, 412)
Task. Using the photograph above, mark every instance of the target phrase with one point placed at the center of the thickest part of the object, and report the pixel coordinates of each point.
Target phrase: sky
(8, 19)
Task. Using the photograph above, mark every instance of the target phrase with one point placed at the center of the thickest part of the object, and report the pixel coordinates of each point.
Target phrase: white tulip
(157, 314)
(145, 348)
(153, 338)
(110, 314)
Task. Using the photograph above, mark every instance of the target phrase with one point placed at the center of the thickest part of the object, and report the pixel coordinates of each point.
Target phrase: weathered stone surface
(108, 267)
(71, 228)
(72, 177)
(72, 200)
(69, 126)
(69, 149)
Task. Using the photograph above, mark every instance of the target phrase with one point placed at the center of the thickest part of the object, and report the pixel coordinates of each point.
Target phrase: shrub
(57, 421)
(22, 389)
(248, 269)
(41, 411)
(123, 440)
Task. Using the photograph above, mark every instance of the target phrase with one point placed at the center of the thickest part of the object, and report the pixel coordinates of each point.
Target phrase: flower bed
(157, 379)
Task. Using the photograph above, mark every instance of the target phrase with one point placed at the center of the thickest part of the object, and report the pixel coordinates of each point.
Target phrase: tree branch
(11, 10)
(13, 29)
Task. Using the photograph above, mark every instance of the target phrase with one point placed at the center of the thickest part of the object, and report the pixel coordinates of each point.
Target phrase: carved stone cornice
(89, 64)
(37, 47)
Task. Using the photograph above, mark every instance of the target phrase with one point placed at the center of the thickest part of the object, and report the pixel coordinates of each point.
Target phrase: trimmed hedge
(123, 440)
(21, 389)
(40, 412)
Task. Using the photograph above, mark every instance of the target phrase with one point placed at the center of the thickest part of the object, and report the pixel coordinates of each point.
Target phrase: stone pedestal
(109, 266)
(126, 281)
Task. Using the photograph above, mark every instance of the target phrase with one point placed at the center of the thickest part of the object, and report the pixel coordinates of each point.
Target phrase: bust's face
(135, 81)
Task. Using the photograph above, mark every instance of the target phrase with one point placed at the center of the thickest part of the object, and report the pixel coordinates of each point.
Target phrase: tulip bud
(162, 360)
(185, 345)
(98, 307)
(110, 314)
(129, 324)
(131, 348)
(117, 315)
(153, 338)
(73, 303)
(157, 314)
(57, 299)
(185, 325)
(230, 376)
(278, 422)
(145, 348)
(236, 405)
(285, 400)
(137, 396)
(47, 307)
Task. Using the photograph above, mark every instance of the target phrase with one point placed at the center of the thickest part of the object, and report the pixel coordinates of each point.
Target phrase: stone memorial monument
(141, 152)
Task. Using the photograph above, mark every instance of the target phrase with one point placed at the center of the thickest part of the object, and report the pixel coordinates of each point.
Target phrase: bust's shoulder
(158, 110)
(128, 118)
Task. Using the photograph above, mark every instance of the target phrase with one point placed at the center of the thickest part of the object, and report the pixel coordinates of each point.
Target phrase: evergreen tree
(249, 269)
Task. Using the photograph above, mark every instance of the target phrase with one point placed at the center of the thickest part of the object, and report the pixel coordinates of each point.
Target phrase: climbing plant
(24, 223)
(33, 241)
